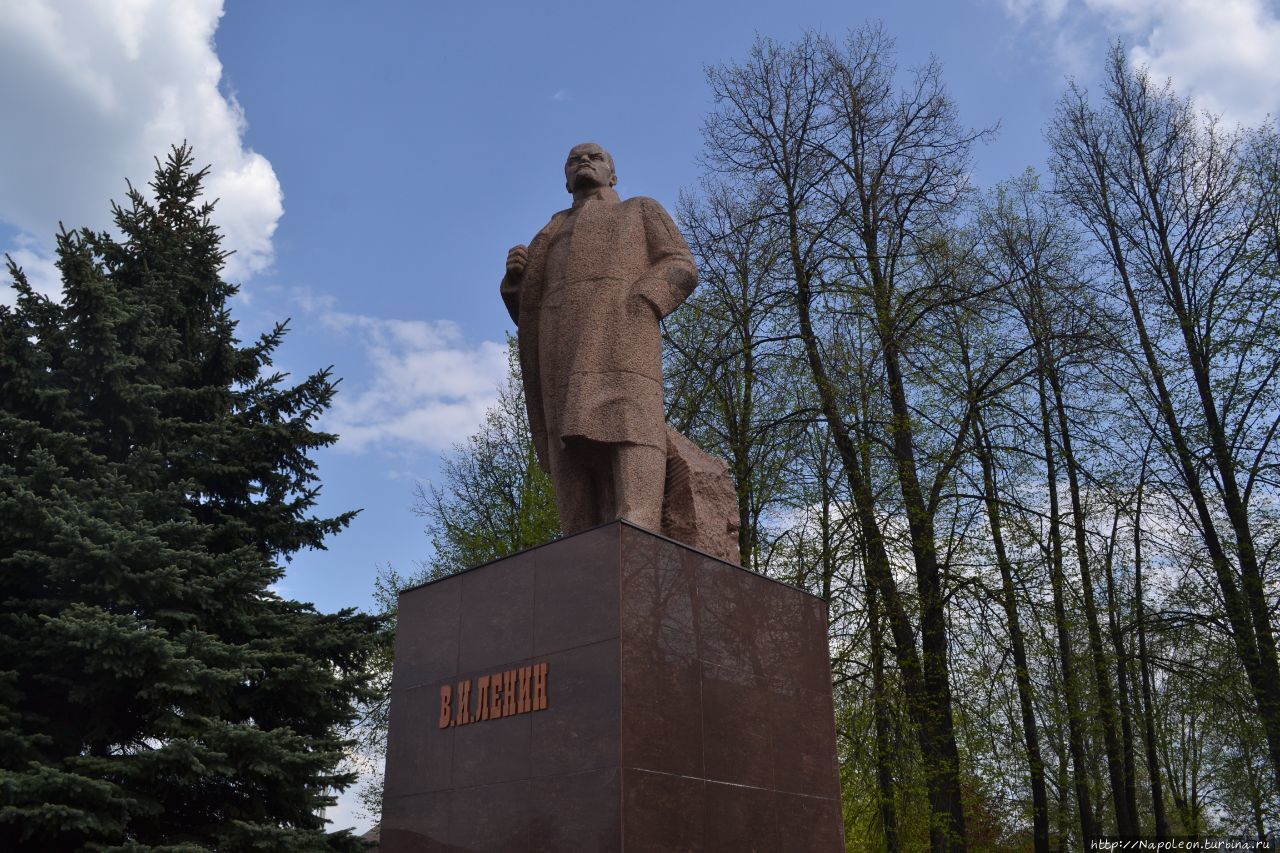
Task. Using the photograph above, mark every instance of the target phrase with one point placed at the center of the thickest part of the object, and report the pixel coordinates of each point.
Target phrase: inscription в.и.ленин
(503, 694)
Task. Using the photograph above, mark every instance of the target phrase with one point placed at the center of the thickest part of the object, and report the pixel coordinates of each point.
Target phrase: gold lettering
(508, 693)
(482, 698)
(498, 695)
(540, 687)
(495, 697)
(464, 702)
(523, 706)
(446, 705)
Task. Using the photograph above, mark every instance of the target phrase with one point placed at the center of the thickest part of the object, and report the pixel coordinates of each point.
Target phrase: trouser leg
(578, 472)
(639, 481)
(596, 483)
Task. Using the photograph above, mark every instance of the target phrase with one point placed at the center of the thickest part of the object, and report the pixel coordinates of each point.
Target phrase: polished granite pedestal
(611, 691)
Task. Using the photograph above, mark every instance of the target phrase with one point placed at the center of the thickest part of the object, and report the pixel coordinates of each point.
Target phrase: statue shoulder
(646, 206)
(552, 224)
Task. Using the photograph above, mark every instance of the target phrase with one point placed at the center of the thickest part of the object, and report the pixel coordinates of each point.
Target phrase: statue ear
(613, 179)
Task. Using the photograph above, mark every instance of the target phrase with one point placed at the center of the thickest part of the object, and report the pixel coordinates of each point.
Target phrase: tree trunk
(884, 726)
(1022, 675)
(1245, 611)
(933, 623)
(1070, 688)
(1263, 675)
(946, 828)
(1122, 678)
(1267, 689)
(1144, 671)
(1102, 681)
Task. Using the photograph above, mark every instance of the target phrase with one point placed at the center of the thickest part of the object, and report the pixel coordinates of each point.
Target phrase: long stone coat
(600, 276)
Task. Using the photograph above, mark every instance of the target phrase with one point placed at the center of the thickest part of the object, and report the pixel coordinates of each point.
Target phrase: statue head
(587, 166)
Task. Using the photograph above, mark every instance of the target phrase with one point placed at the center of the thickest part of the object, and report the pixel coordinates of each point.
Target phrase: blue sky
(376, 160)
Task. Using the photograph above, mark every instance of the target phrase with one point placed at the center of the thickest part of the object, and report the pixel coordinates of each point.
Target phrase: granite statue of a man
(587, 295)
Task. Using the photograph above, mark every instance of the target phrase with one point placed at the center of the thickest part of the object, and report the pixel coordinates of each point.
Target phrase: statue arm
(510, 290)
(672, 274)
(523, 271)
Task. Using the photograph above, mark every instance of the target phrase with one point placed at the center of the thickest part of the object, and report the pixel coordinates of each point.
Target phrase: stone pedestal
(611, 691)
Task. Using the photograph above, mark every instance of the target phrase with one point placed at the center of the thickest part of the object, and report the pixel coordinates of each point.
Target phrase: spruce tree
(155, 691)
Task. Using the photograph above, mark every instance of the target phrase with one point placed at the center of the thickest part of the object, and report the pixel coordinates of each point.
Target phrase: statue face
(588, 165)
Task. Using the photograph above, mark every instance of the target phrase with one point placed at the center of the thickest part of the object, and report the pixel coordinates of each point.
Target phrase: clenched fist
(517, 260)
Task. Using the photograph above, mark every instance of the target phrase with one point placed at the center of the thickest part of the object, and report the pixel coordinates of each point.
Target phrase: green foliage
(1042, 421)
(494, 500)
(155, 691)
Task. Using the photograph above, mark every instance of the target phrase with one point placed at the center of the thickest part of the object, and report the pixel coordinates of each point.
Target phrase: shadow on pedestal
(648, 698)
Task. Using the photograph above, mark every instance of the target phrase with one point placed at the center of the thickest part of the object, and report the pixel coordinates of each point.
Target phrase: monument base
(614, 690)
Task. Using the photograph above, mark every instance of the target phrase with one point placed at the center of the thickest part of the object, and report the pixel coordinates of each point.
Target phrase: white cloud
(92, 90)
(427, 388)
(1221, 52)
(1049, 10)
(38, 264)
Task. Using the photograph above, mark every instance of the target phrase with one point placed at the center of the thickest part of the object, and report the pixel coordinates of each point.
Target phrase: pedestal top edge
(721, 561)
(618, 523)
(555, 541)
